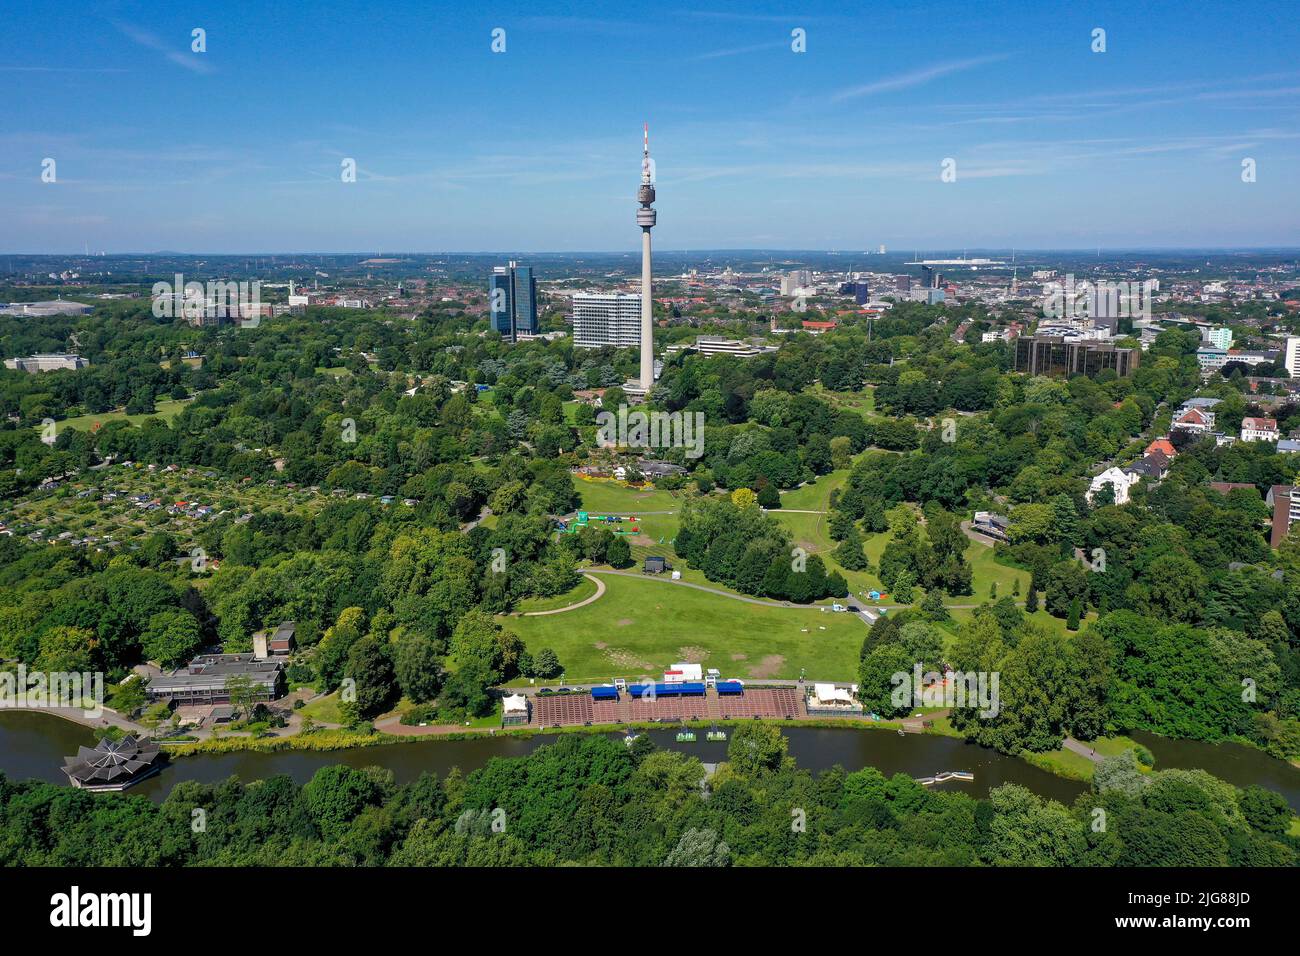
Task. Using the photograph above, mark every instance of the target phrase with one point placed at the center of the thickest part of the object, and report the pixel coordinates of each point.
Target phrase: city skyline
(1055, 146)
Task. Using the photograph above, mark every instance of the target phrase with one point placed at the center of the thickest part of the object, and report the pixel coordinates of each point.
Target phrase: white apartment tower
(607, 318)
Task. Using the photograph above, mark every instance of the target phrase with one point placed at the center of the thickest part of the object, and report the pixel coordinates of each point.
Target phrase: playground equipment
(584, 519)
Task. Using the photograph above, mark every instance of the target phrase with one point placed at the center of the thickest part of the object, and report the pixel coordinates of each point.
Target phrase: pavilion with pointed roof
(113, 765)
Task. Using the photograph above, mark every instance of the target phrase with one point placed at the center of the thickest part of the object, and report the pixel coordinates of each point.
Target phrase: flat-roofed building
(206, 680)
(606, 319)
(52, 307)
(46, 362)
(1056, 355)
(717, 345)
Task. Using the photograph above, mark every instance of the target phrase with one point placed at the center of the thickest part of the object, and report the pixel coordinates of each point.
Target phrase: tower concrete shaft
(645, 218)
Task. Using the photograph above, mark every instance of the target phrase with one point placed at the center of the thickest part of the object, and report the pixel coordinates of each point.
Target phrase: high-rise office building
(792, 282)
(606, 318)
(931, 279)
(512, 300)
(1292, 356)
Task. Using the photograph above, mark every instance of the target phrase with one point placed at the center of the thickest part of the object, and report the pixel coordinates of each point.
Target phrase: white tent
(830, 694)
(515, 704)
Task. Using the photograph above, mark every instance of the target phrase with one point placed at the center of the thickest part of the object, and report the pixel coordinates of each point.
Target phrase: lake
(33, 745)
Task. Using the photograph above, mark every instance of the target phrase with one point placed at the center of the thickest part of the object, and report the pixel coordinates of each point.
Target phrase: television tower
(645, 218)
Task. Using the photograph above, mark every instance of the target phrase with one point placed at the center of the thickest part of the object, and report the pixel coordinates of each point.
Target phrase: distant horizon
(933, 252)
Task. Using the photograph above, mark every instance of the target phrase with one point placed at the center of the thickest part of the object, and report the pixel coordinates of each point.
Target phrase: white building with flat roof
(46, 362)
(606, 318)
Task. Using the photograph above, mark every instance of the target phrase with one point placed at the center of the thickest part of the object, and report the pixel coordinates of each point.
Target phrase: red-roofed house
(1194, 420)
(1259, 429)
(1164, 446)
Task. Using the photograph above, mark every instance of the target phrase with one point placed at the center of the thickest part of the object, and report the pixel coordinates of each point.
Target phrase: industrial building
(51, 307)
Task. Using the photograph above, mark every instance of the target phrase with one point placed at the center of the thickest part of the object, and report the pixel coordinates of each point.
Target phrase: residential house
(1198, 421)
(1119, 479)
(1259, 429)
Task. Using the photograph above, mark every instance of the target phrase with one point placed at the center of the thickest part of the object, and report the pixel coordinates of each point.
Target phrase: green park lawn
(815, 495)
(166, 410)
(323, 709)
(863, 402)
(611, 497)
(584, 589)
(1067, 763)
(640, 626)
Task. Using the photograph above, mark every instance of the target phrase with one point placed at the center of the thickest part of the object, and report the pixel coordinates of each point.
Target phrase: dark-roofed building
(659, 469)
(654, 565)
(113, 765)
(1153, 466)
(277, 643)
(991, 524)
(206, 679)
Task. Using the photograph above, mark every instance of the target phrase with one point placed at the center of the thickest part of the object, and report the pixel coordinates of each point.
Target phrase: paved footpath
(1082, 749)
(600, 590)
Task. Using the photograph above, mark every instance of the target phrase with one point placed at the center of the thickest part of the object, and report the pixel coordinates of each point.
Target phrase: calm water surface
(33, 745)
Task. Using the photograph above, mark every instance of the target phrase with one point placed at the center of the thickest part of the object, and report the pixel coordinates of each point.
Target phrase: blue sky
(538, 148)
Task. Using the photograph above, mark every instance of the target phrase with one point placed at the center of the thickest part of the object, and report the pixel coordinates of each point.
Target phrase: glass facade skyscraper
(512, 300)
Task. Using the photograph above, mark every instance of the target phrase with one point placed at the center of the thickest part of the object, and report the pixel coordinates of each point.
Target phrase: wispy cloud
(193, 62)
(905, 81)
(739, 50)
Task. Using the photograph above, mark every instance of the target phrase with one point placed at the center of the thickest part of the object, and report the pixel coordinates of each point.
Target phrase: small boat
(630, 737)
(901, 731)
(715, 734)
(686, 736)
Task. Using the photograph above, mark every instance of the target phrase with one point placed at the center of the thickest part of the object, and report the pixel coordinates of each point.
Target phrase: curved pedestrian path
(701, 587)
(600, 591)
